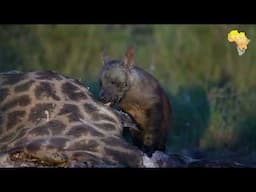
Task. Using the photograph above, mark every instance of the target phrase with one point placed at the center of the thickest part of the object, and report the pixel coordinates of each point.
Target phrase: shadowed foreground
(158, 160)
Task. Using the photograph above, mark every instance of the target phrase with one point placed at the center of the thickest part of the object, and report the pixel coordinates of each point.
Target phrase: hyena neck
(142, 85)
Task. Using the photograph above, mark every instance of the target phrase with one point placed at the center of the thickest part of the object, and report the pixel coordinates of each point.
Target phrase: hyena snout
(104, 96)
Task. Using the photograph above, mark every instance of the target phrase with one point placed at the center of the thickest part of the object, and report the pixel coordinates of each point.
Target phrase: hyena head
(114, 77)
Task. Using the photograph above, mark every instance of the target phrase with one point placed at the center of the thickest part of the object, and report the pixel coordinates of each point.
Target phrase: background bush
(211, 88)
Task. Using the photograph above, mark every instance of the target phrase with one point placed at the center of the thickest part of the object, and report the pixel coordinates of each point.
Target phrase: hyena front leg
(154, 135)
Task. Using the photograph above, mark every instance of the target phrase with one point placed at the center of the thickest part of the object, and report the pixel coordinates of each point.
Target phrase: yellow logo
(240, 39)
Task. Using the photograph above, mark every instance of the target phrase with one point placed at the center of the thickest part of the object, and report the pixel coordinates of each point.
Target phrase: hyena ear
(129, 58)
(104, 57)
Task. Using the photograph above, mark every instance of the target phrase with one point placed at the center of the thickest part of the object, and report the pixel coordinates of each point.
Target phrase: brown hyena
(140, 95)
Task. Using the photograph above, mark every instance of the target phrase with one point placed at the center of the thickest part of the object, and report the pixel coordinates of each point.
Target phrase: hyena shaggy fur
(139, 94)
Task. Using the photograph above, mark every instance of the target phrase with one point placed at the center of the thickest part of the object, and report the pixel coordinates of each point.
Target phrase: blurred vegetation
(211, 88)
